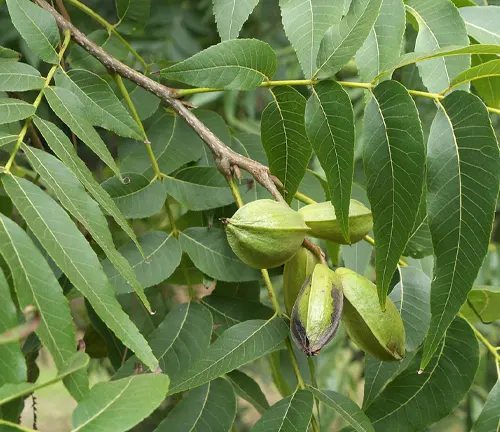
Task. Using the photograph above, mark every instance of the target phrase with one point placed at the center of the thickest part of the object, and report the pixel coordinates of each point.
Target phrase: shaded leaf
(439, 26)
(36, 285)
(249, 291)
(240, 64)
(284, 138)
(488, 419)
(463, 174)
(420, 243)
(248, 389)
(230, 16)
(483, 301)
(120, 405)
(237, 346)
(488, 88)
(404, 404)
(162, 255)
(483, 70)
(7, 138)
(133, 14)
(218, 126)
(394, 160)
(37, 27)
(9, 54)
(481, 23)
(343, 40)
(292, 413)
(330, 128)
(12, 110)
(211, 253)
(71, 252)
(16, 76)
(210, 407)
(138, 197)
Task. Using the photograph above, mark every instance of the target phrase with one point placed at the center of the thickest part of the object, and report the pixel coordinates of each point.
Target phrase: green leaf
(120, 405)
(240, 64)
(9, 54)
(173, 142)
(439, 26)
(138, 197)
(237, 346)
(162, 255)
(7, 138)
(485, 301)
(210, 252)
(37, 27)
(16, 76)
(229, 311)
(488, 419)
(36, 285)
(75, 200)
(75, 363)
(211, 407)
(407, 396)
(345, 408)
(284, 138)
(383, 44)
(481, 23)
(341, 41)
(218, 126)
(246, 388)
(411, 296)
(305, 24)
(292, 413)
(133, 14)
(182, 338)
(230, 16)
(13, 365)
(12, 110)
(199, 188)
(394, 160)
(71, 111)
(60, 144)
(463, 174)
(71, 252)
(483, 70)
(330, 128)
(249, 291)
(420, 243)
(488, 88)
(102, 107)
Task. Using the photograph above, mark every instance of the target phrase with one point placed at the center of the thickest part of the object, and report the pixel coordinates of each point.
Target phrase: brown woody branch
(227, 160)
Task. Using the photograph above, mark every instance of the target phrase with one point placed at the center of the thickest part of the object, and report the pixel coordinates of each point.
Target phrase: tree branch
(225, 158)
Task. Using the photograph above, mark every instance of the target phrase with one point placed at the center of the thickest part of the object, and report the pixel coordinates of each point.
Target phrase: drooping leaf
(210, 252)
(394, 160)
(404, 404)
(239, 64)
(230, 16)
(284, 138)
(345, 408)
(439, 26)
(292, 413)
(343, 40)
(305, 24)
(36, 285)
(237, 346)
(75, 363)
(138, 197)
(120, 405)
(483, 303)
(383, 44)
(162, 255)
(199, 188)
(246, 388)
(463, 175)
(60, 144)
(71, 252)
(82, 207)
(182, 338)
(133, 15)
(13, 365)
(16, 76)
(330, 128)
(488, 420)
(210, 407)
(37, 27)
(12, 110)
(481, 23)
(101, 105)
(71, 111)
(483, 70)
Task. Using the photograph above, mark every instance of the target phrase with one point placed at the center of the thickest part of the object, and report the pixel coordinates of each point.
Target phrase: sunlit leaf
(481, 23)
(230, 16)
(483, 303)
(12, 110)
(483, 70)
(16, 76)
